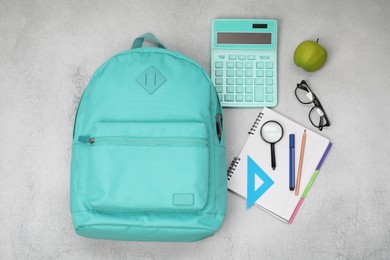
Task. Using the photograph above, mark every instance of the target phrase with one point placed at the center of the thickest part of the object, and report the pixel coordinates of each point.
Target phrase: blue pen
(292, 161)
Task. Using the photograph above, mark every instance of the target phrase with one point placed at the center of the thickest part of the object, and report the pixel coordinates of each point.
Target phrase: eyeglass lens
(316, 117)
(304, 94)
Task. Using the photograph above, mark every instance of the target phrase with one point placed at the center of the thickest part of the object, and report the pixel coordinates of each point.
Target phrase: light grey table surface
(50, 49)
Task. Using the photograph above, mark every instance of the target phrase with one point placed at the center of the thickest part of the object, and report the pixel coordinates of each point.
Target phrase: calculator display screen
(243, 38)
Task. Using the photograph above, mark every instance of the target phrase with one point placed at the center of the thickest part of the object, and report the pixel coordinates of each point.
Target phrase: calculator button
(248, 89)
(241, 57)
(229, 73)
(239, 73)
(264, 57)
(248, 81)
(259, 73)
(221, 56)
(239, 65)
(230, 64)
(239, 81)
(268, 65)
(259, 81)
(260, 65)
(239, 89)
(268, 73)
(229, 81)
(269, 90)
(248, 98)
(219, 89)
(259, 94)
(230, 89)
(249, 73)
(229, 97)
(248, 65)
(219, 64)
(268, 82)
(232, 57)
(269, 98)
(239, 98)
(218, 81)
(218, 73)
(251, 57)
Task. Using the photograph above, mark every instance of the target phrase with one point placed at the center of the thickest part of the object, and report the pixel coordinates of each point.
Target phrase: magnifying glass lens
(272, 132)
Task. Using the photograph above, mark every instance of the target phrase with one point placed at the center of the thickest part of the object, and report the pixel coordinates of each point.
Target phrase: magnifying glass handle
(273, 160)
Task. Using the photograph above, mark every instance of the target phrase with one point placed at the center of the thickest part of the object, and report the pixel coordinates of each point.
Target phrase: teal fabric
(140, 40)
(147, 160)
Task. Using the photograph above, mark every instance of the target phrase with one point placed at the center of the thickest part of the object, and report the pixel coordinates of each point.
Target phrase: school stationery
(251, 176)
(244, 62)
(272, 132)
(301, 156)
(292, 161)
(316, 172)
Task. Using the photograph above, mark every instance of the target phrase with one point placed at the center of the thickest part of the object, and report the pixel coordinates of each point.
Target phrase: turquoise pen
(292, 161)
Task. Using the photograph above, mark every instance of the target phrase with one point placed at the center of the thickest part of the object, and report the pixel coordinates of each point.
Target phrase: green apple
(310, 56)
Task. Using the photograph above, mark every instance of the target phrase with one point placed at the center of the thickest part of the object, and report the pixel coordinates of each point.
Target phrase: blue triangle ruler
(253, 192)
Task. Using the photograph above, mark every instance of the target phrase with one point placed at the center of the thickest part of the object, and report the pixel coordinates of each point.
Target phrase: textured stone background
(50, 49)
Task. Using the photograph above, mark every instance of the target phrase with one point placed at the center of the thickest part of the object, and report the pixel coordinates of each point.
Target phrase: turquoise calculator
(244, 62)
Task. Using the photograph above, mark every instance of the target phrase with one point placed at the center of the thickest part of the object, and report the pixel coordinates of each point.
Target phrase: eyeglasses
(317, 115)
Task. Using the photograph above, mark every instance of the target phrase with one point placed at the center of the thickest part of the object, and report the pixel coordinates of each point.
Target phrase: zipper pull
(86, 139)
(83, 139)
(218, 120)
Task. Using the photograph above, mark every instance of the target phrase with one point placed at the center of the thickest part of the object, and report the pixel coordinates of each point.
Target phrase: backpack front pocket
(148, 167)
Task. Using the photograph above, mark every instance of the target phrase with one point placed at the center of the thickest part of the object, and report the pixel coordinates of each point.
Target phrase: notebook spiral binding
(232, 167)
(256, 124)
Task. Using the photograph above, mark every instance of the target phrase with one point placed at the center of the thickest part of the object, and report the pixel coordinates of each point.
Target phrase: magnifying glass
(271, 132)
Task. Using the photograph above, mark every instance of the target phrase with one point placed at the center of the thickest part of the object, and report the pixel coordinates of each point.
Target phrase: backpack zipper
(143, 141)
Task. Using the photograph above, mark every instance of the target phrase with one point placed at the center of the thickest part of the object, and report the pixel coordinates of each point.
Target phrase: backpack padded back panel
(148, 156)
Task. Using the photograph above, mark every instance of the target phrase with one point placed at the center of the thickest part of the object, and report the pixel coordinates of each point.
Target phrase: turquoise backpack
(148, 154)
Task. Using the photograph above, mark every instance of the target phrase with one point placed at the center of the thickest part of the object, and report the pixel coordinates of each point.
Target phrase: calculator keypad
(245, 79)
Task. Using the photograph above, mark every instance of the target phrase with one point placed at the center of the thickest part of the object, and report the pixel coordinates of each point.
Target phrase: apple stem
(317, 40)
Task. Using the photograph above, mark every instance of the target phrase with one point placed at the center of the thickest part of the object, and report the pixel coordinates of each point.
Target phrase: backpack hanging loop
(138, 42)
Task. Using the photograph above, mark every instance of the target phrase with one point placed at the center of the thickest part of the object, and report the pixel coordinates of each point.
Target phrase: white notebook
(271, 187)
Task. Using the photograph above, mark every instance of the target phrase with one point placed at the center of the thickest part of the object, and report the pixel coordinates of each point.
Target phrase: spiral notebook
(251, 176)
